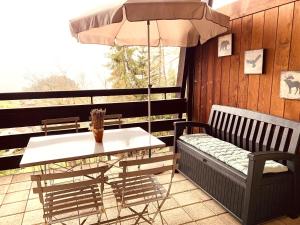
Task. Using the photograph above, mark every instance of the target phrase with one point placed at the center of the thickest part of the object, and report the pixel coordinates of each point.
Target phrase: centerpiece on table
(97, 117)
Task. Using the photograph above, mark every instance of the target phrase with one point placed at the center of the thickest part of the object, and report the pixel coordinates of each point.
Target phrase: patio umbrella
(181, 23)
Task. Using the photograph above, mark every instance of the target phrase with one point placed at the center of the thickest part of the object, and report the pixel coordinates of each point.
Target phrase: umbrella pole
(149, 88)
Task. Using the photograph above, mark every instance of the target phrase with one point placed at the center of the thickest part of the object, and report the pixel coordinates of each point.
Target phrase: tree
(129, 70)
(54, 83)
(128, 66)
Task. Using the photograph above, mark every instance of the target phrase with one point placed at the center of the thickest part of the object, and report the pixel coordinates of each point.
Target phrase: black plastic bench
(255, 197)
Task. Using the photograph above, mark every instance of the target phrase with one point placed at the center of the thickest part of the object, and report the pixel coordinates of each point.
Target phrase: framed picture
(290, 85)
(253, 63)
(225, 45)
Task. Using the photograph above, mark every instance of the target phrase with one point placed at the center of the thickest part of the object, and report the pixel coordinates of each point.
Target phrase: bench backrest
(254, 131)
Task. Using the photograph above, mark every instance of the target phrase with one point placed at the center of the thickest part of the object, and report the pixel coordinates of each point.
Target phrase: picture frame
(253, 61)
(225, 45)
(290, 85)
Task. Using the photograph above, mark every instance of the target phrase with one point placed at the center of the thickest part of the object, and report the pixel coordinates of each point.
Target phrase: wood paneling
(256, 43)
(283, 43)
(210, 74)
(292, 107)
(197, 85)
(269, 43)
(235, 63)
(203, 87)
(245, 45)
(240, 8)
(222, 80)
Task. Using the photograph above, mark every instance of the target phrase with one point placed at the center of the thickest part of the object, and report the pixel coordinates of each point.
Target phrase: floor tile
(190, 197)
(12, 208)
(170, 203)
(21, 177)
(12, 220)
(176, 216)
(228, 219)
(201, 194)
(181, 186)
(19, 186)
(109, 202)
(1, 199)
(165, 178)
(214, 206)
(275, 222)
(5, 179)
(3, 189)
(198, 211)
(33, 217)
(33, 204)
(32, 195)
(211, 221)
(289, 221)
(113, 212)
(16, 197)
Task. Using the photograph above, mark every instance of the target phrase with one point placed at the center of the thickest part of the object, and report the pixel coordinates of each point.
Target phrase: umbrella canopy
(182, 23)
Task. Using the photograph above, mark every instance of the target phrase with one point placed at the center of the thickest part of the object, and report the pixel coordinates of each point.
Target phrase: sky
(35, 40)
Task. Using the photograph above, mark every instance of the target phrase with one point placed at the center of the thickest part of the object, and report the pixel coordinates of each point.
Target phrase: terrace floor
(187, 205)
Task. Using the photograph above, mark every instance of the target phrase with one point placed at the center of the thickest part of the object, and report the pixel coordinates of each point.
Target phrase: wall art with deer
(290, 85)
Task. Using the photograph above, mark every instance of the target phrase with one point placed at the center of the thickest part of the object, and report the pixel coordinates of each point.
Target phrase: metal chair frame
(63, 198)
(138, 186)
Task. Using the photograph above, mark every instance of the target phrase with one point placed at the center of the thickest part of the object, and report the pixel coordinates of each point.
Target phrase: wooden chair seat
(60, 204)
(137, 189)
(79, 196)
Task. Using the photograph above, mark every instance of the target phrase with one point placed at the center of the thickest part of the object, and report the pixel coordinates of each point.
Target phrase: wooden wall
(222, 80)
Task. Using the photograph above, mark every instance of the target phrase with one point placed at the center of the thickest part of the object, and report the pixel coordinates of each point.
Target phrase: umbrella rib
(159, 37)
(121, 25)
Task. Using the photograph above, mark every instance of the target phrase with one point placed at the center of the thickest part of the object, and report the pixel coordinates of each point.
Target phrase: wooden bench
(254, 197)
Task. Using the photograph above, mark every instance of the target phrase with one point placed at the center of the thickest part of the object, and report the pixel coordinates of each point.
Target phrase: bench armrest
(271, 155)
(255, 174)
(181, 125)
(257, 161)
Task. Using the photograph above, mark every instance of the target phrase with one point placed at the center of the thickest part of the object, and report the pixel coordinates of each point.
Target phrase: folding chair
(140, 187)
(113, 119)
(74, 199)
(60, 124)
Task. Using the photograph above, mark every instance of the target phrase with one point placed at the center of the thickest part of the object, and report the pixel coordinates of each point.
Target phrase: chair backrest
(113, 119)
(92, 176)
(134, 168)
(60, 124)
(254, 131)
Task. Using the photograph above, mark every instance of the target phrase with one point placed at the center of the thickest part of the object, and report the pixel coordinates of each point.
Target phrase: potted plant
(97, 117)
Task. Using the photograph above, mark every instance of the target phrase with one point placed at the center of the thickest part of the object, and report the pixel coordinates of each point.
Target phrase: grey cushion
(228, 153)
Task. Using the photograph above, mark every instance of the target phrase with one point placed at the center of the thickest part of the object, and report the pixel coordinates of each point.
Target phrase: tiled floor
(187, 205)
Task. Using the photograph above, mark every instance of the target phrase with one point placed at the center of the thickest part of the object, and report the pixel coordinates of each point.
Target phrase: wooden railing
(32, 116)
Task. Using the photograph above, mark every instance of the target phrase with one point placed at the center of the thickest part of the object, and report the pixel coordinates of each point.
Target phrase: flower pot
(98, 134)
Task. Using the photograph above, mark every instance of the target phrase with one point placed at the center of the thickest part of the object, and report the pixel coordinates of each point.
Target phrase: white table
(67, 147)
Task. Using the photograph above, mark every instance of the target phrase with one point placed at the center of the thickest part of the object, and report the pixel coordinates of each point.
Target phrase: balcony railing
(32, 116)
